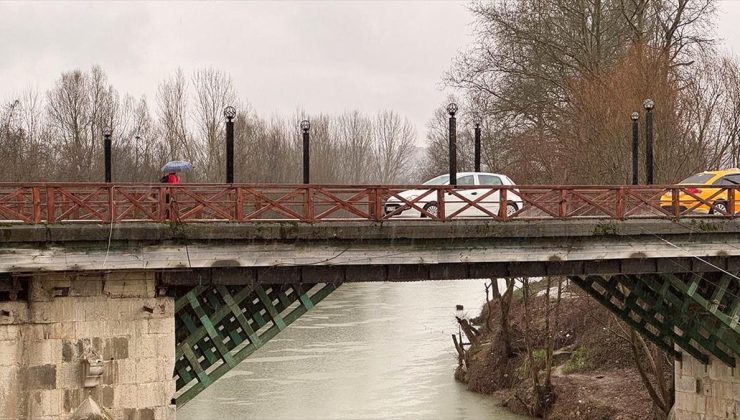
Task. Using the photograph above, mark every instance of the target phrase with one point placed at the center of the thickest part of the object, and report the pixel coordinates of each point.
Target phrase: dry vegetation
(565, 359)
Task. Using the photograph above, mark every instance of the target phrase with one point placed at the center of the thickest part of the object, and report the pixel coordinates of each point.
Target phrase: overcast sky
(319, 56)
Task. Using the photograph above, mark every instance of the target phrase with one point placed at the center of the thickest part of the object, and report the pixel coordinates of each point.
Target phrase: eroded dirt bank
(594, 374)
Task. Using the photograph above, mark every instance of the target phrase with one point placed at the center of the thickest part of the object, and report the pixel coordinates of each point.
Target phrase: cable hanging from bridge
(699, 258)
(713, 283)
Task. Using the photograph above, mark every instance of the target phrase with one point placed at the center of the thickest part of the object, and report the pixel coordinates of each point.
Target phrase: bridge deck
(363, 251)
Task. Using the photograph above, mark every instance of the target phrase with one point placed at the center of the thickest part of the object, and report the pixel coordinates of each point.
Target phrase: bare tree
(78, 108)
(393, 147)
(354, 135)
(540, 70)
(214, 91)
(65, 141)
(172, 106)
(138, 152)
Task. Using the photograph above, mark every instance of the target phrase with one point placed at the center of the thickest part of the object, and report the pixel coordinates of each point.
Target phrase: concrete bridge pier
(75, 344)
(706, 391)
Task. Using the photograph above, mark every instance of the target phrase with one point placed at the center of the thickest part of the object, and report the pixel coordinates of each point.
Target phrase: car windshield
(728, 180)
(697, 179)
(440, 180)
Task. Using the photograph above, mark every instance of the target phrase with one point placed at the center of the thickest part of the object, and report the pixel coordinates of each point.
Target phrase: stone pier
(706, 392)
(73, 345)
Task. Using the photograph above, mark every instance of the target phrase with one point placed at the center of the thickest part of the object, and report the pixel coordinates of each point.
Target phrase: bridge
(192, 279)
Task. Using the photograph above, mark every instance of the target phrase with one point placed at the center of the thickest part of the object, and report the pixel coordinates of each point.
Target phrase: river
(367, 351)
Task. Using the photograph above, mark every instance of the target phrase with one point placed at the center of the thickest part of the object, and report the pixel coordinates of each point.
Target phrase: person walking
(171, 168)
(170, 178)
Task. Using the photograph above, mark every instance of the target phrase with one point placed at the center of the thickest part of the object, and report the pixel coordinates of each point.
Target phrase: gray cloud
(320, 56)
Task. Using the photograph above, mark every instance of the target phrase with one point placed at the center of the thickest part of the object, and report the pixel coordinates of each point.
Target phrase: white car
(454, 203)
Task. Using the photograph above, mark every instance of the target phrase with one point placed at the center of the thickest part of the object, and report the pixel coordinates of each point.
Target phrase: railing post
(619, 211)
(675, 204)
(441, 203)
(50, 207)
(36, 199)
(239, 211)
(731, 202)
(163, 204)
(503, 204)
(563, 204)
(111, 205)
(308, 210)
(376, 207)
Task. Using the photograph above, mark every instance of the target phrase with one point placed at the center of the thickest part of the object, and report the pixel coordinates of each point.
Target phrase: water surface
(368, 351)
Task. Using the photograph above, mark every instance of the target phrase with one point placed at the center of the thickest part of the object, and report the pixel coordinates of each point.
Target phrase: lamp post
(107, 131)
(305, 127)
(648, 104)
(477, 146)
(229, 113)
(635, 148)
(452, 109)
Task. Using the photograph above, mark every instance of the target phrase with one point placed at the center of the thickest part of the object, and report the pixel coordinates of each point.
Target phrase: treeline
(553, 83)
(58, 135)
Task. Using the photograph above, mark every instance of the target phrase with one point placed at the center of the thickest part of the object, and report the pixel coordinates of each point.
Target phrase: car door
(455, 203)
(732, 180)
(491, 202)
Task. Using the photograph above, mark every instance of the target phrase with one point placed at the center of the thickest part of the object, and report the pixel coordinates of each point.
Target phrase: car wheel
(719, 207)
(511, 208)
(431, 208)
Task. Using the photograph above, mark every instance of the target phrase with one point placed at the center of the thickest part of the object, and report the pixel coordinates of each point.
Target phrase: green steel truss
(697, 312)
(219, 326)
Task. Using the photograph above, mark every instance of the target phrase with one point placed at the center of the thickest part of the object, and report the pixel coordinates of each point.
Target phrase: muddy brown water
(368, 351)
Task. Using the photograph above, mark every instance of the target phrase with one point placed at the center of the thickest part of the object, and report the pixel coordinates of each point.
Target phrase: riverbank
(593, 376)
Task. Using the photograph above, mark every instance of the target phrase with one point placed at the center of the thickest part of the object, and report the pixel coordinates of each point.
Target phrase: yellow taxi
(717, 197)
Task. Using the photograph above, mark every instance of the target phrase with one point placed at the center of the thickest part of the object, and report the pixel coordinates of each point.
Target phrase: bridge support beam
(67, 339)
(696, 317)
(697, 312)
(218, 326)
(706, 391)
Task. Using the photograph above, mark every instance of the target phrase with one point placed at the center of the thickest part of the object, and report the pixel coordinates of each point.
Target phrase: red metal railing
(52, 203)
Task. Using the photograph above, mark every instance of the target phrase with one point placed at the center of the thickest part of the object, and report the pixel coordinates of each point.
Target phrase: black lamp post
(477, 146)
(648, 104)
(305, 127)
(635, 148)
(107, 152)
(229, 113)
(452, 109)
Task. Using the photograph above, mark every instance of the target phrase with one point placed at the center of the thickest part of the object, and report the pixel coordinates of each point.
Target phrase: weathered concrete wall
(68, 318)
(706, 392)
(491, 249)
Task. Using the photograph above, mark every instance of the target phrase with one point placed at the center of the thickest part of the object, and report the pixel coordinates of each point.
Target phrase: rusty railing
(35, 203)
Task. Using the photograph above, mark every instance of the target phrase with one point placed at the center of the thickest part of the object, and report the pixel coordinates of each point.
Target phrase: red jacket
(172, 178)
